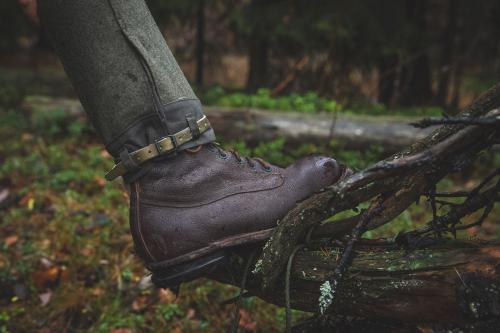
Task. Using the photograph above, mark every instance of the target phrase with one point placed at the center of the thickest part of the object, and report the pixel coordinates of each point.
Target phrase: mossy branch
(437, 281)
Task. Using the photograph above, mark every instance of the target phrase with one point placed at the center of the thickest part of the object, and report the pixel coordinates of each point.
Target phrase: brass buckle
(142, 155)
(158, 147)
(173, 139)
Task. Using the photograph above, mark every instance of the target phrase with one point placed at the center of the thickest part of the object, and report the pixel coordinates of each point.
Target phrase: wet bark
(393, 184)
(436, 281)
(449, 282)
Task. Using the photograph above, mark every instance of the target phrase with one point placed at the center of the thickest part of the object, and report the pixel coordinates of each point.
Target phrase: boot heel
(171, 277)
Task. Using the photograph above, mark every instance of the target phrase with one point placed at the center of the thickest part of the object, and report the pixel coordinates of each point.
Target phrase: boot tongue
(194, 150)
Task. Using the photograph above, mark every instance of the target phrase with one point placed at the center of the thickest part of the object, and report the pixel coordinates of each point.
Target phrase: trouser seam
(136, 45)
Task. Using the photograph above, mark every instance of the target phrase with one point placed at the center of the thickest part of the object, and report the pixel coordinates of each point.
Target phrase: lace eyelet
(224, 156)
(267, 169)
(240, 161)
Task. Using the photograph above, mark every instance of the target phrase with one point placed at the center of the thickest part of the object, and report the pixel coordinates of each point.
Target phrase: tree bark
(427, 291)
(449, 282)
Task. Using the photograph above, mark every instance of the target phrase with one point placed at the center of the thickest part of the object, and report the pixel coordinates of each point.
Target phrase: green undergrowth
(309, 102)
(66, 255)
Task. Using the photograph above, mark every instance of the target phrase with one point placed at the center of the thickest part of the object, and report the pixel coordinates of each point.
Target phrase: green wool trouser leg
(122, 70)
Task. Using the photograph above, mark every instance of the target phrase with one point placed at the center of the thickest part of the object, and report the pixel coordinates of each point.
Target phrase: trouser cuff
(149, 129)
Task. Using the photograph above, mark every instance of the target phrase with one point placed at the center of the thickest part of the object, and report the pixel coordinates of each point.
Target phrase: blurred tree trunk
(416, 74)
(387, 78)
(466, 47)
(457, 83)
(200, 43)
(258, 48)
(447, 53)
(258, 44)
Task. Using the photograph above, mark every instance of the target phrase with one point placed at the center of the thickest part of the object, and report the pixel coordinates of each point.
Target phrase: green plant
(309, 102)
(168, 311)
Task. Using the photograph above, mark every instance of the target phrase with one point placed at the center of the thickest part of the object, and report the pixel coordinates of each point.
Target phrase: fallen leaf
(46, 263)
(121, 330)
(246, 321)
(96, 291)
(191, 313)
(31, 203)
(24, 200)
(425, 329)
(45, 297)
(11, 240)
(104, 153)
(473, 231)
(45, 243)
(100, 181)
(4, 194)
(145, 283)
(166, 296)
(139, 303)
(87, 251)
(46, 278)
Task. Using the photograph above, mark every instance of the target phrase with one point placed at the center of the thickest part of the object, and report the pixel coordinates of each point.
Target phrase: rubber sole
(171, 277)
(190, 266)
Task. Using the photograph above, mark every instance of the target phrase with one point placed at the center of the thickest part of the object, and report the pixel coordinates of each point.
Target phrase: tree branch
(397, 181)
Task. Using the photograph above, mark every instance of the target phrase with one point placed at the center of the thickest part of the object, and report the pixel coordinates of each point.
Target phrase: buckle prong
(158, 147)
(174, 140)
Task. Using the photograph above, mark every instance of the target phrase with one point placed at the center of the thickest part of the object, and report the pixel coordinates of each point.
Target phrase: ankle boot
(187, 211)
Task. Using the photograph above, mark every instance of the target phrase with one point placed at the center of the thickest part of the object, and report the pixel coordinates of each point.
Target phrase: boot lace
(251, 162)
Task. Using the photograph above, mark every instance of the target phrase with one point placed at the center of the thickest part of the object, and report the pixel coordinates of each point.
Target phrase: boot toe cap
(314, 173)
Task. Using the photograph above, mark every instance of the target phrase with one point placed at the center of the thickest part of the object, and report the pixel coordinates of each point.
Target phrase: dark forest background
(398, 53)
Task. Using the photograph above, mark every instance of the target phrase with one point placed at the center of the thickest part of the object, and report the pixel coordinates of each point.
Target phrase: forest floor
(66, 255)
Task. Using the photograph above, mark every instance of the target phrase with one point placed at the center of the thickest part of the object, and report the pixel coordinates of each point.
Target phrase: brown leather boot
(189, 209)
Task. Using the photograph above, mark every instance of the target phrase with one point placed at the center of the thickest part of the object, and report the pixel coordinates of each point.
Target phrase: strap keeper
(193, 126)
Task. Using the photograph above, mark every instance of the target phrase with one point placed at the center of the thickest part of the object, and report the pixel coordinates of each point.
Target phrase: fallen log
(421, 278)
(449, 282)
(393, 184)
(255, 126)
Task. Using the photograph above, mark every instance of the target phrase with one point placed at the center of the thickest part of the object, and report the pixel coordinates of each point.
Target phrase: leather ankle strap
(163, 146)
